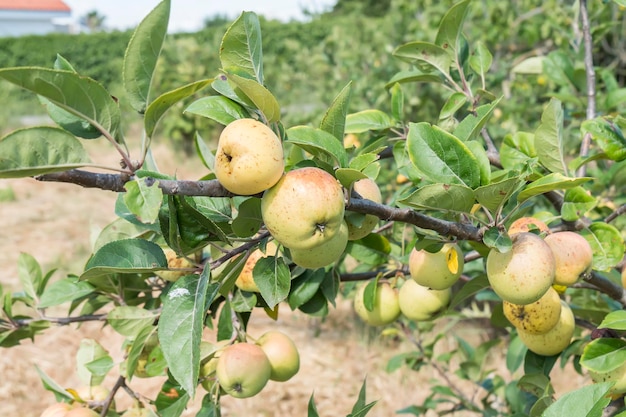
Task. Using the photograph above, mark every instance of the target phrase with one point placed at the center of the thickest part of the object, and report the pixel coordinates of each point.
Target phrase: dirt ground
(57, 223)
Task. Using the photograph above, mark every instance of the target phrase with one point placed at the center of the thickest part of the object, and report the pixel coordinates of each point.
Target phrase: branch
(607, 287)
(620, 210)
(61, 321)
(591, 81)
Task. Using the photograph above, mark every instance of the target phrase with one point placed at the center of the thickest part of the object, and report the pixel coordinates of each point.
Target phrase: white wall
(18, 22)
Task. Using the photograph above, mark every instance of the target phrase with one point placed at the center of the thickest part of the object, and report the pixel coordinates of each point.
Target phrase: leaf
(480, 61)
(225, 323)
(165, 101)
(367, 120)
(604, 355)
(469, 289)
(448, 197)
(498, 240)
(614, 320)
(40, 150)
(312, 409)
(180, 326)
(262, 98)
(608, 136)
(451, 26)
(51, 385)
(64, 290)
(318, 143)
(517, 150)
(129, 320)
(442, 157)
(415, 76)
(334, 120)
(241, 50)
(549, 138)
(273, 278)
(142, 54)
(249, 219)
(89, 351)
(143, 200)
(304, 287)
(79, 95)
(219, 108)
(452, 104)
(348, 176)
(607, 244)
(205, 154)
(550, 182)
(493, 196)
(397, 101)
(30, 274)
(360, 408)
(588, 401)
(532, 65)
(427, 56)
(576, 202)
(470, 127)
(125, 256)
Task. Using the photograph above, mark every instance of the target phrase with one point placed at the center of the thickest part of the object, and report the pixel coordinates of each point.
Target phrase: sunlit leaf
(608, 136)
(588, 401)
(549, 138)
(241, 51)
(334, 120)
(318, 143)
(125, 256)
(449, 197)
(607, 244)
(262, 98)
(550, 182)
(219, 108)
(368, 120)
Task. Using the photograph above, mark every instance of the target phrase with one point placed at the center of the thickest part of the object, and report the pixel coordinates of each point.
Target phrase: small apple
(245, 280)
(386, 305)
(304, 209)
(537, 317)
(82, 412)
(439, 270)
(93, 393)
(351, 140)
(368, 189)
(573, 256)
(324, 254)
(249, 157)
(421, 303)
(617, 375)
(56, 410)
(555, 340)
(137, 411)
(282, 353)
(624, 276)
(527, 224)
(523, 274)
(176, 263)
(243, 370)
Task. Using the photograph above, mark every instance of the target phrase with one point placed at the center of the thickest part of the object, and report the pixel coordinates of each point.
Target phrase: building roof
(35, 5)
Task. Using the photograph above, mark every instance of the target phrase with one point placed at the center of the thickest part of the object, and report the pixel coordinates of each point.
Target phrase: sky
(189, 15)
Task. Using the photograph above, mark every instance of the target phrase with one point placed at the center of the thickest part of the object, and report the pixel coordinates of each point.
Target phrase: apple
(386, 305)
(523, 274)
(176, 263)
(249, 157)
(137, 411)
(624, 276)
(323, 254)
(421, 303)
(368, 189)
(537, 317)
(527, 224)
(351, 140)
(617, 375)
(82, 412)
(242, 370)
(93, 393)
(56, 410)
(245, 280)
(573, 256)
(304, 209)
(555, 340)
(282, 353)
(438, 270)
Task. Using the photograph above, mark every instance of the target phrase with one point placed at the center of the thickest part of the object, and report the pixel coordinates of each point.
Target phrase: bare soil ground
(56, 224)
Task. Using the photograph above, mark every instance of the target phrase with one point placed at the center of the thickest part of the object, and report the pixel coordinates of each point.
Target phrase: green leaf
(498, 240)
(481, 59)
(493, 196)
(614, 320)
(142, 54)
(334, 120)
(225, 323)
(348, 176)
(442, 157)
(143, 200)
(550, 182)
(426, 56)
(304, 287)
(219, 108)
(100, 367)
(367, 120)
(79, 95)
(360, 408)
(125, 256)
(51, 385)
(64, 290)
(517, 149)
(249, 219)
(262, 98)
(29, 273)
(608, 136)
(532, 65)
(576, 202)
(318, 143)
(415, 76)
(312, 409)
(604, 354)
(588, 401)
(397, 101)
(448, 197)
(181, 324)
(607, 244)
(129, 320)
(205, 154)
(139, 342)
(484, 165)
(549, 138)
(451, 26)
(89, 351)
(469, 289)
(273, 278)
(470, 127)
(165, 101)
(40, 150)
(241, 51)
(452, 105)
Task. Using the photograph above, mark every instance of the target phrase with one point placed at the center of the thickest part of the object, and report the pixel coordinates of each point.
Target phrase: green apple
(386, 305)
(555, 340)
(368, 189)
(245, 280)
(137, 411)
(243, 370)
(523, 274)
(249, 157)
(573, 256)
(421, 303)
(617, 375)
(537, 317)
(323, 254)
(93, 393)
(178, 264)
(304, 209)
(282, 354)
(438, 270)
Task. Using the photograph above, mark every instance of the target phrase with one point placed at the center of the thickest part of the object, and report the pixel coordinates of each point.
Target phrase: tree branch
(607, 287)
(591, 81)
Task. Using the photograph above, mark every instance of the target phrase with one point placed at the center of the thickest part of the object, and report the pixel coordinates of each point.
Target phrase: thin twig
(620, 210)
(591, 82)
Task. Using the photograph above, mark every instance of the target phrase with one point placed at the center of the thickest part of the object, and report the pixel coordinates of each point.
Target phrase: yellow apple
(573, 256)
(304, 209)
(555, 340)
(537, 317)
(245, 280)
(243, 370)
(282, 353)
(421, 303)
(323, 254)
(56, 410)
(523, 274)
(624, 276)
(93, 393)
(617, 375)
(526, 224)
(368, 189)
(249, 157)
(438, 270)
(176, 263)
(386, 305)
(82, 412)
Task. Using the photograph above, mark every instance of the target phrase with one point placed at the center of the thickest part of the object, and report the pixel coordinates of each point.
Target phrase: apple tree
(419, 221)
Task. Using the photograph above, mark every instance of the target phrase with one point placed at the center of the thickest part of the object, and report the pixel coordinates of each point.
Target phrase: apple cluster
(79, 407)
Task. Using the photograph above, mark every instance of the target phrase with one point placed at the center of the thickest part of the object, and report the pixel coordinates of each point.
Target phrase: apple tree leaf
(604, 354)
(576, 202)
(614, 320)
(249, 219)
(397, 101)
(493, 196)
(469, 128)
(143, 200)
(368, 120)
(588, 401)
(125, 256)
(241, 50)
(304, 287)
(608, 136)
(51, 385)
(64, 290)
(260, 96)
(273, 278)
(550, 182)
(549, 138)
(30, 274)
(334, 120)
(130, 320)
(607, 244)
(426, 56)
(447, 197)
(319, 143)
(89, 351)
(219, 108)
(481, 59)
(451, 25)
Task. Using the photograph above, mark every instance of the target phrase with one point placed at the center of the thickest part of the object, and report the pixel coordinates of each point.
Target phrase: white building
(33, 17)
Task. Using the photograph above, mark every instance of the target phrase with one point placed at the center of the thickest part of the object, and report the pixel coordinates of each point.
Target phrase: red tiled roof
(40, 5)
